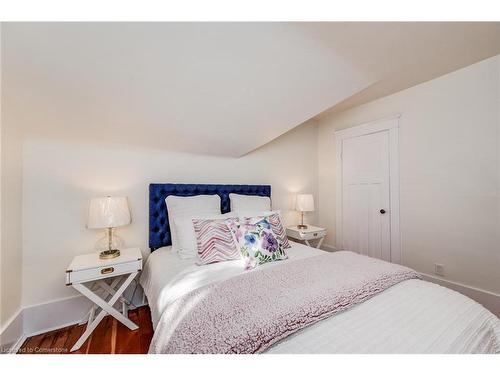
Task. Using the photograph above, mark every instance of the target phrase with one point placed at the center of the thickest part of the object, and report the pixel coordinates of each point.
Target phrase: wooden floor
(110, 337)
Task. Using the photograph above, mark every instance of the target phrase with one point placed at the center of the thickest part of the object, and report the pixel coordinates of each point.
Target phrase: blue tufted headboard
(159, 228)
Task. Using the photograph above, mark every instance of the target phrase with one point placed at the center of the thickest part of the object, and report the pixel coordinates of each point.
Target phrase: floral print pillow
(256, 241)
(274, 219)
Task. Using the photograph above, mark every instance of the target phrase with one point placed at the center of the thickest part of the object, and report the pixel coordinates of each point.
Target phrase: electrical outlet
(438, 269)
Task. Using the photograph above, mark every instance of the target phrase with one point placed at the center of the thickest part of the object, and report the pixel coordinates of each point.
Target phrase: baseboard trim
(15, 348)
(488, 299)
(12, 334)
(49, 316)
(54, 315)
(328, 247)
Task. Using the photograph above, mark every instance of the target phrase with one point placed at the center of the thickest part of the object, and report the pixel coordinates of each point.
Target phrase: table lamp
(108, 213)
(304, 203)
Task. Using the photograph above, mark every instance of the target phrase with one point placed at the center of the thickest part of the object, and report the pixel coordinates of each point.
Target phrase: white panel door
(366, 222)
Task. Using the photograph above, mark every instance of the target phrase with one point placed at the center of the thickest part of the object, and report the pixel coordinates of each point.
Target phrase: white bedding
(413, 316)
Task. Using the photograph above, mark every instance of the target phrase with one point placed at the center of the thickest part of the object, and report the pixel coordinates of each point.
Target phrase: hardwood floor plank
(127, 341)
(109, 337)
(59, 341)
(30, 344)
(146, 329)
(74, 334)
(100, 341)
(145, 321)
(47, 343)
(113, 337)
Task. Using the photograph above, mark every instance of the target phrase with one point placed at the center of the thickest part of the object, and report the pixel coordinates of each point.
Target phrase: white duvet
(413, 316)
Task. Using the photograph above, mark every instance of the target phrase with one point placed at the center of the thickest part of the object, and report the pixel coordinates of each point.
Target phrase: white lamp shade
(304, 202)
(108, 212)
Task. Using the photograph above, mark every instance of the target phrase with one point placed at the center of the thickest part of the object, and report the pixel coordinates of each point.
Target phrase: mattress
(413, 316)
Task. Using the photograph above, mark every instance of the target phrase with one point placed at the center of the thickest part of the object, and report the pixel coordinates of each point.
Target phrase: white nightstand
(112, 277)
(308, 234)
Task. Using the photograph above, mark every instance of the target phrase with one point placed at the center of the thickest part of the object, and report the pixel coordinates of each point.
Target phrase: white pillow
(252, 213)
(247, 203)
(198, 205)
(186, 236)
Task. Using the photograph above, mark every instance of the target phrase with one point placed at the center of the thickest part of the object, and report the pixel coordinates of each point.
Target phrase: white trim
(15, 348)
(60, 313)
(57, 300)
(45, 317)
(10, 321)
(396, 254)
(338, 194)
(328, 247)
(12, 336)
(371, 127)
(489, 300)
(390, 124)
(54, 315)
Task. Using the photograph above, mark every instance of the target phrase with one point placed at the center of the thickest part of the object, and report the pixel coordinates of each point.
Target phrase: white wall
(60, 177)
(450, 172)
(11, 225)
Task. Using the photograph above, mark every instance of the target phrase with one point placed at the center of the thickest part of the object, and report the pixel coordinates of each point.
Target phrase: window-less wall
(11, 224)
(449, 172)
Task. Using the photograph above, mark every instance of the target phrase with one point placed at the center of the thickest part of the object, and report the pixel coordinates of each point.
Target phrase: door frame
(390, 124)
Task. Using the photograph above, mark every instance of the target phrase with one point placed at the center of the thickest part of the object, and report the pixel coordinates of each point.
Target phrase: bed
(410, 316)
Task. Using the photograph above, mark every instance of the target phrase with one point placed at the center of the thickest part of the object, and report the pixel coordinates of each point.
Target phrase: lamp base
(302, 226)
(109, 241)
(109, 254)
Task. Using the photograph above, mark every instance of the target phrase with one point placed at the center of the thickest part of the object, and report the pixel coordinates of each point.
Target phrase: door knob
(382, 211)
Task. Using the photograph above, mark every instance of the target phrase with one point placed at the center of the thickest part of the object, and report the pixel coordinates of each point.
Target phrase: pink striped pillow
(214, 241)
(278, 230)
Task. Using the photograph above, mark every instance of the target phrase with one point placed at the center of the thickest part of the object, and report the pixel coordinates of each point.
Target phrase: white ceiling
(217, 88)
(398, 55)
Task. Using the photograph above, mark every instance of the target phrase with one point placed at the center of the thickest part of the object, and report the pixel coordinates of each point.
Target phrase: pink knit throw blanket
(250, 312)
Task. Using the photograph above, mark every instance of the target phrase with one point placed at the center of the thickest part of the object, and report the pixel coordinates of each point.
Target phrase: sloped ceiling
(398, 55)
(215, 88)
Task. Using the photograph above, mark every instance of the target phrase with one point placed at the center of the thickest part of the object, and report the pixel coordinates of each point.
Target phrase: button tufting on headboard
(159, 228)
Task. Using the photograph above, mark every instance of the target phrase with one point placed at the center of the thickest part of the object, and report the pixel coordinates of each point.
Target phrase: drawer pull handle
(315, 234)
(107, 270)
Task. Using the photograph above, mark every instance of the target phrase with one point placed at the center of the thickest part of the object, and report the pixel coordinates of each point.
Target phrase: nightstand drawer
(312, 235)
(89, 274)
